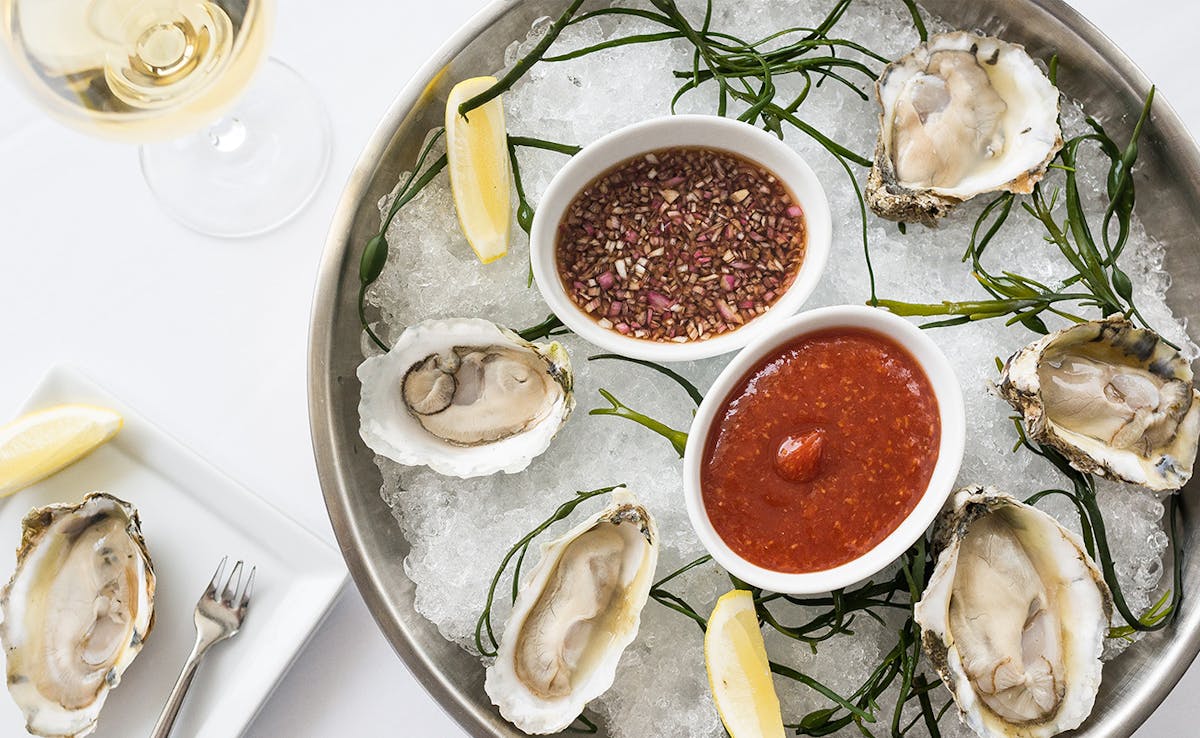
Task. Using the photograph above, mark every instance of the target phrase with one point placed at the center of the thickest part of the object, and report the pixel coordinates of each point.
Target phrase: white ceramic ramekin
(950, 450)
(680, 130)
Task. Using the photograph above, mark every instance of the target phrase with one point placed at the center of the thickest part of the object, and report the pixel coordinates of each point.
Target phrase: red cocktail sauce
(820, 451)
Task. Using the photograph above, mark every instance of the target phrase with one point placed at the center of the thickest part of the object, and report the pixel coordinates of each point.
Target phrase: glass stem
(227, 134)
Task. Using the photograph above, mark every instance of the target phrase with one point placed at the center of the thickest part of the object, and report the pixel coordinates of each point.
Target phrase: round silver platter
(1093, 71)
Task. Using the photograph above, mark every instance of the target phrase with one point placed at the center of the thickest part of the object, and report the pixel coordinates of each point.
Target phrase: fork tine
(249, 588)
(231, 587)
(211, 592)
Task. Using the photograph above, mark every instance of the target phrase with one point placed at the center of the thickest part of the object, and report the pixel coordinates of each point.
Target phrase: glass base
(251, 171)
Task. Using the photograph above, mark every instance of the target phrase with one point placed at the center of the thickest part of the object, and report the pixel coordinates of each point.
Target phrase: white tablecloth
(209, 338)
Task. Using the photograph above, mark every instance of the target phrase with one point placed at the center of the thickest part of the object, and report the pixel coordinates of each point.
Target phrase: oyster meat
(961, 115)
(575, 614)
(464, 397)
(76, 612)
(1014, 617)
(1116, 400)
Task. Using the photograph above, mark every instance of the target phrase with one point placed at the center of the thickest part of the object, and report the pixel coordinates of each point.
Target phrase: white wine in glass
(173, 75)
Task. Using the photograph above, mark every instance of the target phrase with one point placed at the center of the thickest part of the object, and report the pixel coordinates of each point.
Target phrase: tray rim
(1155, 684)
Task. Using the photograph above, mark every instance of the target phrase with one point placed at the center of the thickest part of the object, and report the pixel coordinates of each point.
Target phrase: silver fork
(217, 618)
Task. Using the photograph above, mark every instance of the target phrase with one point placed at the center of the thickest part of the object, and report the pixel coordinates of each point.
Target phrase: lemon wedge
(41, 443)
(477, 154)
(738, 671)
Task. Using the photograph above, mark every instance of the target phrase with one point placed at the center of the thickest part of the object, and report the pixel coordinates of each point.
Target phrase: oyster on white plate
(464, 397)
(1014, 617)
(76, 612)
(577, 611)
(961, 115)
(1116, 400)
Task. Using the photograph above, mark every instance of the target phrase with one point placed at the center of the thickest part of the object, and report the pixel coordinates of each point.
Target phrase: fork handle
(170, 711)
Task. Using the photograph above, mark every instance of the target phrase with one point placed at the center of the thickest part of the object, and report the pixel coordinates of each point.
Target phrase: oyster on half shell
(1116, 400)
(574, 616)
(76, 612)
(961, 115)
(1014, 617)
(464, 397)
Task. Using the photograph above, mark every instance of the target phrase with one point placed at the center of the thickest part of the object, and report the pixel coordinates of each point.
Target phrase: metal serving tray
(1094, 71)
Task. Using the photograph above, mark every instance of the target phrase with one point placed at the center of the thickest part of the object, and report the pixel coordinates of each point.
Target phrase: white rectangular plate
(192, 515)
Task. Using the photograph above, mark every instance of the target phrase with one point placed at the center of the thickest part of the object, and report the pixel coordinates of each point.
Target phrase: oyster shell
(1014, 617)
(76, 612)
(1116, 400)
(961, 115)
(575, 614)
(464, 397)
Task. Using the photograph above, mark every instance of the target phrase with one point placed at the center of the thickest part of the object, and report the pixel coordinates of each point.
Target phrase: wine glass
(170, 74)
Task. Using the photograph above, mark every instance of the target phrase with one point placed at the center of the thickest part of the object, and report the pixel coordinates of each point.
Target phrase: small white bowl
(657, 133)
(950, 450)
